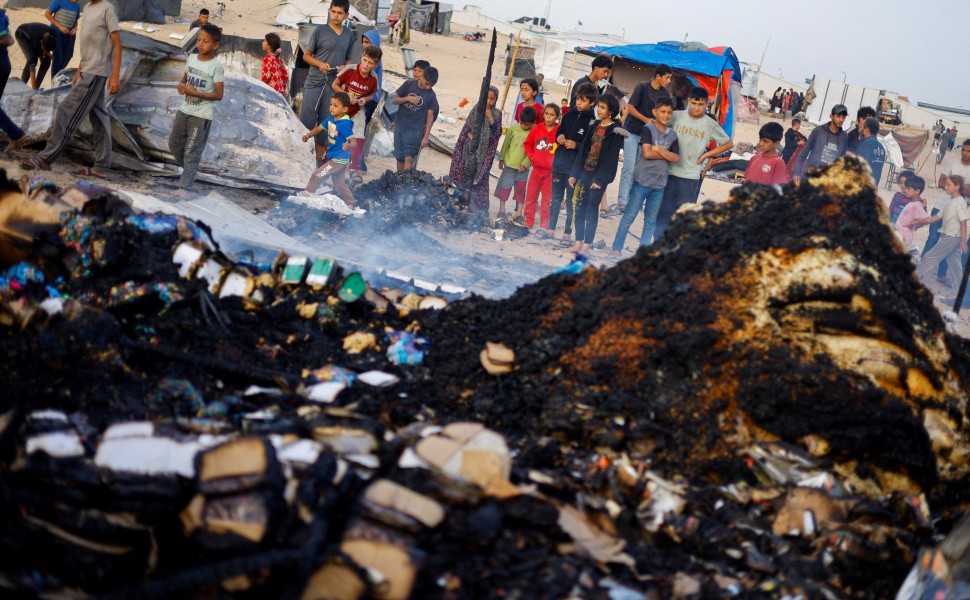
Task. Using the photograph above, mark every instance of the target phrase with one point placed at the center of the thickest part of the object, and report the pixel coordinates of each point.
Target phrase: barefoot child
(202, 86)
(540, 147)
(274, 71)
(359, 82)
(339, 128)
(514, 163)
(594, 169)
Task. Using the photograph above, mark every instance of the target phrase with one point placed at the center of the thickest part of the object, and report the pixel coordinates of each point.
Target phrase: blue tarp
(697, 61)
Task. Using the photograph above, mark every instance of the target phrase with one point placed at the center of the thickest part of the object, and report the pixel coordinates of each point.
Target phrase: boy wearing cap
(825, 144)
(417, 110)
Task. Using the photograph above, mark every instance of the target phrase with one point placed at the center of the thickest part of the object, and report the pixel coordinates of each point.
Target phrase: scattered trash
(497, 358)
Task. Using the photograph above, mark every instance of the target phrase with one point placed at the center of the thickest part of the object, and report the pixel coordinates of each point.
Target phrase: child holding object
(514, 163)
(202, 86)
(594, 169)
(540, 147)
(339, 128)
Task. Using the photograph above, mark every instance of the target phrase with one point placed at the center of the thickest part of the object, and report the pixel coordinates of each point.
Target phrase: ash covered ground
(763, 404)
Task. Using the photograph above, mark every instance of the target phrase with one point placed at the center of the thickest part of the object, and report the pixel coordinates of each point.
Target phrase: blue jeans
(631, 154)
(561, 187)
(640, 196)
(679, 191)
(64, 51)
(6, 123)
(588, 209)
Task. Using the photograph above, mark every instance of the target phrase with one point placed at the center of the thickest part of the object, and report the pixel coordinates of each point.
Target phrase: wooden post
(572, 72)
(508, 79)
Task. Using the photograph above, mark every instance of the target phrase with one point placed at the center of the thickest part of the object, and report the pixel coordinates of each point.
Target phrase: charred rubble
(763, 404)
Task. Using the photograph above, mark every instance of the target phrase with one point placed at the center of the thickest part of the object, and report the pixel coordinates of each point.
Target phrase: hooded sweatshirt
(609, 155)
(540, 146)
(375, 38)
(822, 148)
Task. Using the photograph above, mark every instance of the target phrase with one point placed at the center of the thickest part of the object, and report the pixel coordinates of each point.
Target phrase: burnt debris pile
(765, 404)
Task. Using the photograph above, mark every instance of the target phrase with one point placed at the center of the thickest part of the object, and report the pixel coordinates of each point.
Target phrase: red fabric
(357, 86)
(356, 153)
(538, 108)
(540, 182)
(274, 73)
(540, 146)
(766, 170)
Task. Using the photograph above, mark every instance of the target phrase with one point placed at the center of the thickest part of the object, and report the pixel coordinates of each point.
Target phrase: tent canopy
(715, 69)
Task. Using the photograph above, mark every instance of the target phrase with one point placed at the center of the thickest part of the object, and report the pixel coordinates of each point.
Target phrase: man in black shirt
(37, 42)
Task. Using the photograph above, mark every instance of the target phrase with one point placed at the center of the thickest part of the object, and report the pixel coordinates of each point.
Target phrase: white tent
(295, 12)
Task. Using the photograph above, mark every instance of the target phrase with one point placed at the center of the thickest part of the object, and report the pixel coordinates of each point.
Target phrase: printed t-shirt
(356, 86)
(202, 75)
(766, 170)
(652, 172)
(595, 146)
(415, 115)
(94, 36)
(274, 73)
(692, 136)
(338, 132)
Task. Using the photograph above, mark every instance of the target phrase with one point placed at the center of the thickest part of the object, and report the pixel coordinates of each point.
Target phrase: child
(794, 139)
(37, 42)
(372, 37)
(953, 238)
(694, 130)
(594, 168)
(528, 89)
(767, 167)
(563, 107)
(202, 86)
(912, 217)
(202, 20)
(572, 131)
(63, 16)
(540, 147)
(514, 163)
(274, 71)
(340, 133)
(100, 64)
(900, 198)
(418, 70)
(658, 148)
(360, 83)
(417, 110)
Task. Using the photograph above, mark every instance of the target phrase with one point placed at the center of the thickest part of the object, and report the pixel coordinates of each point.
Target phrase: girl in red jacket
(540, 147)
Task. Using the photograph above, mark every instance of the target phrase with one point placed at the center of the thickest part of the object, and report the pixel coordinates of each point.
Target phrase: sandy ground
(461, 65)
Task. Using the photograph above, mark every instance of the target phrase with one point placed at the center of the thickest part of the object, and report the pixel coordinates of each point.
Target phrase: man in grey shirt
(328, 50)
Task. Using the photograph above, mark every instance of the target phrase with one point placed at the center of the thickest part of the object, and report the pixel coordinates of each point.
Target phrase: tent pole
(572, 72)
(508, 79)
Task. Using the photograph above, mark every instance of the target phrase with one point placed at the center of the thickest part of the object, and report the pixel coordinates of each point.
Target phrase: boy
(329, 49)
(826, 144)
(417, 110)
(912, 217)
(794, 139)
(870, 149)
(15, 133)
(572, 131)
(417, 71)
(767, 167)
(100, 64)
(63, 16)
(658, 148)
(900, 199)
(202, 86)
(694, 129)
(563, 107)
(202, 20)
(360, 84)
(514, 163)
(38, 44)
(339, 129)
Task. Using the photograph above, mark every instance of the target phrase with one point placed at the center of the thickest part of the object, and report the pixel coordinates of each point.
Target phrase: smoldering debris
(763, 404)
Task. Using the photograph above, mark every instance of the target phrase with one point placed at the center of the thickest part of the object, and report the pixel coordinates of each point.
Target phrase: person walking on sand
(100, 64)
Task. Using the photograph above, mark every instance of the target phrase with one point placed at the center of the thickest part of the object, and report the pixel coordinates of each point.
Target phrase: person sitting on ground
(854, 137)
(912, 217)
(528, 90)
(870, 149)
(360, 83)
(900, 198)
(37, 42)
(274, 72)
(417, 110)
(202, 84)
(339, 129)
(514, 163)
(952, 243)
(202, 19)
(540, 147)
(100, 65)
(659, 147)
(766, 167)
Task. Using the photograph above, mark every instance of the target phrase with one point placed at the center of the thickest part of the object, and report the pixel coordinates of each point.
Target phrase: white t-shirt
(203, 76)
(955, 213)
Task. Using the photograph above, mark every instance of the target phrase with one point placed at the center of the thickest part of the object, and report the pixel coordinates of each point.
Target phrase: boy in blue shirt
(870, 149)
(63, 16)
(339, 128)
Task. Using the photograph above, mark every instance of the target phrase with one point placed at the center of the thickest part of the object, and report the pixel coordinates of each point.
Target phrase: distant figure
(372, 37)
(855, 134)
(274, 72)
(937, 133)
(63, 16)
(952, 243)
(563, 107)
(201, 20)
(870, 149)
(37, 42)
(794, 139)
(775, 104)
(825, 144)
(540, 93)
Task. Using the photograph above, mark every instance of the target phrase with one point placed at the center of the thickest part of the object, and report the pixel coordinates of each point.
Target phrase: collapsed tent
(146, 11)
(717, 70)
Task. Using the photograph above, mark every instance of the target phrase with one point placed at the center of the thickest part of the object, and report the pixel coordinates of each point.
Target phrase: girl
(595, 168)
(487, 122)
(528, 90)
(540, 147)
(953, 239)
(274, 71)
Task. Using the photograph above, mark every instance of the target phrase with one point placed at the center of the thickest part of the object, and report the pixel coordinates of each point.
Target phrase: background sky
(917, 49)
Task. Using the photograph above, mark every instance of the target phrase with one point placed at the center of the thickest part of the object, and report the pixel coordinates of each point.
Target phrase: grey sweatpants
(85, 100)
(187, 143)
(946, 249)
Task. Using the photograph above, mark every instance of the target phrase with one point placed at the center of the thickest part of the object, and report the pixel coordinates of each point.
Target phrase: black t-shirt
(643, 98)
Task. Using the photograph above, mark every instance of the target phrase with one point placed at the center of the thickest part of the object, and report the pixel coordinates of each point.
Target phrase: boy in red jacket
(540, 147)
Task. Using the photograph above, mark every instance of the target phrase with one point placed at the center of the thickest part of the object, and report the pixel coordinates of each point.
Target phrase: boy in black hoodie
(595, 167)
(572, 131)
